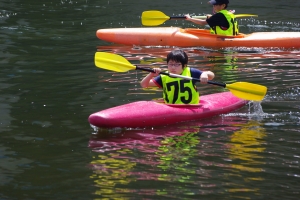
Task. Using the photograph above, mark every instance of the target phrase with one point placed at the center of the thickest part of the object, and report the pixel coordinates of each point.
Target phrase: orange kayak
(190, 37)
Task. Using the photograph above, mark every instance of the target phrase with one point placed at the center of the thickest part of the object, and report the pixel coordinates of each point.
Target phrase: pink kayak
(152, 113)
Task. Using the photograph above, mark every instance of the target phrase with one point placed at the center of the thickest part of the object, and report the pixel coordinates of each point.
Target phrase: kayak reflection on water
(126, 155)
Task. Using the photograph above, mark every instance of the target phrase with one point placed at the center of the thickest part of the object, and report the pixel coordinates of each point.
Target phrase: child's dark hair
(178, 55)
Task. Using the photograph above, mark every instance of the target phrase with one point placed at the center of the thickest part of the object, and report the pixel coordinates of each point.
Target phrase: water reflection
(112, 170)
(246, 144)
(183, 153)
(142, 155)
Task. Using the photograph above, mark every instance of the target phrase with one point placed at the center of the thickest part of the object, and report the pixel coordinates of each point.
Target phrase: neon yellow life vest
(178, 90)
(233, 26)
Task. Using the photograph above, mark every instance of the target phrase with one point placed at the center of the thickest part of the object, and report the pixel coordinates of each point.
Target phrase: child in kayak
(223, 22)
(178, 90)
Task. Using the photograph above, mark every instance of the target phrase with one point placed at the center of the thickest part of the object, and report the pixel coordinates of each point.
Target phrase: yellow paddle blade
(237, 16)
(245, 15)
(248, 91)
(153, 18)
(112, 62)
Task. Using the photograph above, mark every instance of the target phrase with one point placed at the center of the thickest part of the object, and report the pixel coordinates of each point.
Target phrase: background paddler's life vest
(233, 26)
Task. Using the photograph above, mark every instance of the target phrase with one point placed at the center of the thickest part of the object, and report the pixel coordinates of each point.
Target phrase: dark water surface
(49, 86)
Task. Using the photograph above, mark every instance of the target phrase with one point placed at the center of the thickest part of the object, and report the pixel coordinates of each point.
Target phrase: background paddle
(117, 63)
(155, 17)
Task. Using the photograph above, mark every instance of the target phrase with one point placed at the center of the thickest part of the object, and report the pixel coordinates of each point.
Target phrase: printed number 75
(180, 89)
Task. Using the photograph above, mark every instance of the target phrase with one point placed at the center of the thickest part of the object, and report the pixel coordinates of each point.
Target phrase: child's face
(175, 67)
(217, 8)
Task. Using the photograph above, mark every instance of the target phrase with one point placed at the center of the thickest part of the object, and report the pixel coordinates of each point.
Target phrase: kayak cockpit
(161, 101)
(206, 33)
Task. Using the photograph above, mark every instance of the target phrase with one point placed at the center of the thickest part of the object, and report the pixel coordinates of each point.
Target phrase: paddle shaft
(177, 17)
(155, 17)
(184, 17)
(205, 17)
(180, 76)
(243, 90)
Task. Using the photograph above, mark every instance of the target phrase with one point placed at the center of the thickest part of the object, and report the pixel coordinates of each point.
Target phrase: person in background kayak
(178, 90)
(223, 22)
